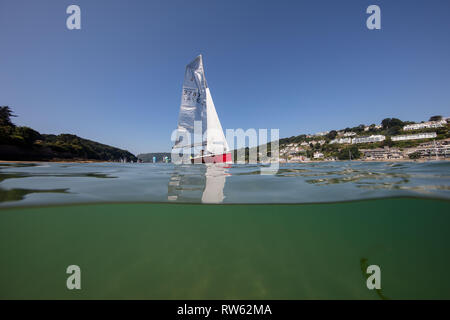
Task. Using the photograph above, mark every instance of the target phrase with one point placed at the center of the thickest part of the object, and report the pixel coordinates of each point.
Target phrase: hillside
(26, 144)
(393, 138)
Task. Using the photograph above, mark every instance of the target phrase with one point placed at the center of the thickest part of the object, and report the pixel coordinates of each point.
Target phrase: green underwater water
(235, 251)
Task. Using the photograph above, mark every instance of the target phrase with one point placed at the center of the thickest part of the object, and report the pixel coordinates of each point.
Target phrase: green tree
(5, 116)
(394, 130)
(435, 118)
(345, 153)
(387, 142)
(332, 134)
(391, 122)
(28, 135)
(414, 155)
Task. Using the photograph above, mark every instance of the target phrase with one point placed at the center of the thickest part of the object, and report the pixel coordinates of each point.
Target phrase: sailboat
(198, 120)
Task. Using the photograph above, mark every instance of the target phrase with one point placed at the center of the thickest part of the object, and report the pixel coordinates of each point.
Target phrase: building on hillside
(297, 149)
(385, 153)
(321, 142)
(318, 155)
(369, 139)
(440, 149)
(424, 135)
(425, 125)
(373, 127)
(349, 134)
(321, 134)
(341, 141)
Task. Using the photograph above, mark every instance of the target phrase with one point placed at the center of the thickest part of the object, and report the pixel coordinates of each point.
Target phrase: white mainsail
(193, 106)
(198, 116)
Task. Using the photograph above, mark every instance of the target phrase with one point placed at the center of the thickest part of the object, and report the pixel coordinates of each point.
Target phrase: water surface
(62, 183)
(144, 231)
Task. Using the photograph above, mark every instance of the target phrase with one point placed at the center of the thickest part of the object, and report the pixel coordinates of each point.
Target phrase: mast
(435, 149)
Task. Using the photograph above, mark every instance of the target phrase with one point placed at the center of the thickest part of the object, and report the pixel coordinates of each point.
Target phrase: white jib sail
(215, 139)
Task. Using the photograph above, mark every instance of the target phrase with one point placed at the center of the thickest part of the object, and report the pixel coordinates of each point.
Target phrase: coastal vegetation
(24, 143)
(414, 155)
(349, 153)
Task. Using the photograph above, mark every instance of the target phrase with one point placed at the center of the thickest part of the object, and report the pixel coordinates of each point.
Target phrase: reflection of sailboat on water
(203, 183)
(199, 133)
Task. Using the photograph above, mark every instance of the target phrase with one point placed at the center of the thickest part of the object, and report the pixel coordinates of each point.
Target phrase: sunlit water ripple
(61, 183)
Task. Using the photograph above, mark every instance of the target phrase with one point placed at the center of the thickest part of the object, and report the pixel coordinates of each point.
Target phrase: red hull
(217, 158)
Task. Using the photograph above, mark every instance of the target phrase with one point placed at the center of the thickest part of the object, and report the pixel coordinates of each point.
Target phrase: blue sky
(300, 66)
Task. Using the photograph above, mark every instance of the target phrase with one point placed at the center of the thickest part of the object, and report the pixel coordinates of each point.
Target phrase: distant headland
(25, 144)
